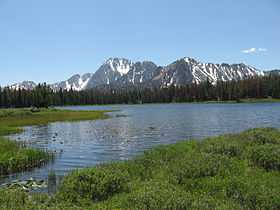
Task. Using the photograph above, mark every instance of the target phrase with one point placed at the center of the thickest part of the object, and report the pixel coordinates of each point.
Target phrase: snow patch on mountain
(120, 65)
(76, 82)
(188, 70)
(25, 85)
(121, 72)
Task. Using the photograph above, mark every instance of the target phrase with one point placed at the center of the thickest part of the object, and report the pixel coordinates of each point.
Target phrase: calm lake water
(135, 128)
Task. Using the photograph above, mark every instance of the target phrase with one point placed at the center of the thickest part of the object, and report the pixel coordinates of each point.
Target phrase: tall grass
(16, 157)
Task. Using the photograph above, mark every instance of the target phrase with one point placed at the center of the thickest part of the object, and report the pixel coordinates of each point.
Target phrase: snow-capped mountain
(76, 82)
(189, 70)
(25, 85)
(112, 70)
(140, 72)
(121, 72)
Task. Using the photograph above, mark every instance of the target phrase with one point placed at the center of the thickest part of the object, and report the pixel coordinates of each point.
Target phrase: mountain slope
(25, 85)
(121, 72)
(109, 72)
(189, 70)
(76, 82)
(141, 72)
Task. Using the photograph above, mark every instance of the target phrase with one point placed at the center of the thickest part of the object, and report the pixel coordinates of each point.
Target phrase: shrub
(96, 184)
(199, 165)
(224, 145)
(266, 156)
(158, 195)
(261, 136)
(256, 190)
(148, 165)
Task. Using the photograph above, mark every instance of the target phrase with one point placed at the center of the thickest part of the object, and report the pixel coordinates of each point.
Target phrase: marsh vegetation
(15, 156)
(235, 171)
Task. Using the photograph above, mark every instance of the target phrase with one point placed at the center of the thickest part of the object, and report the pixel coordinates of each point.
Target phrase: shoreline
(231, 171)
(15, 156)
(241, 101)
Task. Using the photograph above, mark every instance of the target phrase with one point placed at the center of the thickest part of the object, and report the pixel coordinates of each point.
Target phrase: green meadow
(234, 171)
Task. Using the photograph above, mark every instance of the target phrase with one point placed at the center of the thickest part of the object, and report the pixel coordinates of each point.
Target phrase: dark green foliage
(266, 156)
(266, 88)
(261, 136)
(158, 196)
(96, 184)
(226, 145)
(196, 166)
(255, 190)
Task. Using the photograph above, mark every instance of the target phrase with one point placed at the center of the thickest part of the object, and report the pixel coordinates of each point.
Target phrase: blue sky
(50, 40)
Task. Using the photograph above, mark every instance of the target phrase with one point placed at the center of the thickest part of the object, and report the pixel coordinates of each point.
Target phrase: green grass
(12, 119)
(236, 171)
(15, 156)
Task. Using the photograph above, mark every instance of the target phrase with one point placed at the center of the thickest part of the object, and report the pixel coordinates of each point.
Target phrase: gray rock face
(111, 71)
(76, 82)
(121, 72)
(188, 70)
(139, 73)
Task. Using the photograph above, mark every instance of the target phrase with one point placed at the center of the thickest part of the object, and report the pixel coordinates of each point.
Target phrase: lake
(131, 129)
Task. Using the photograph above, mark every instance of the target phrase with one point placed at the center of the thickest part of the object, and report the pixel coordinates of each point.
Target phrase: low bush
(261, 136)
(200, 165)
(266, 156)
(256, 190)
(227, 145)
(96, 184)
(158, 196)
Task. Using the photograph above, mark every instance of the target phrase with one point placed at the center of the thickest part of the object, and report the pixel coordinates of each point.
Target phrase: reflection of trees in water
(53, 182)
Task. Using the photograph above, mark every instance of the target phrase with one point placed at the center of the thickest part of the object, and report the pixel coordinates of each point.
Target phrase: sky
(50, 40)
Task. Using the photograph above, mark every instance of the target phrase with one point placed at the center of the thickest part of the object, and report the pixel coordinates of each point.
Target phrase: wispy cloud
(254, 50)
(262, 49)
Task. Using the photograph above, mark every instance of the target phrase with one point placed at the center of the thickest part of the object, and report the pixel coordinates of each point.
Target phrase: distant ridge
(123, 72)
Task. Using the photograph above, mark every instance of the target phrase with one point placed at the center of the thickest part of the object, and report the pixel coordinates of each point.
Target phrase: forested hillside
(44, 96)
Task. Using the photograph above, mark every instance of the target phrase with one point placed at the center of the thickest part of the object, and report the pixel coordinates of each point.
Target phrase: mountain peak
(76, 82)
(121, 65)
(116, 60)
(119, 72)
(26, 85)
(190, 60)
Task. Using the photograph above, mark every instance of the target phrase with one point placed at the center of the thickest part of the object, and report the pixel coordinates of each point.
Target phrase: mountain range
(121, 72)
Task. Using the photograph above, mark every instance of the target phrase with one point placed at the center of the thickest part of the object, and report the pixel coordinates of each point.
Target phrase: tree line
(44, 96)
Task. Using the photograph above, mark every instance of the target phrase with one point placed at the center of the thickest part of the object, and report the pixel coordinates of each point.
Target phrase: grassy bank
(15, 156)
(11, 120)
(239, 171)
